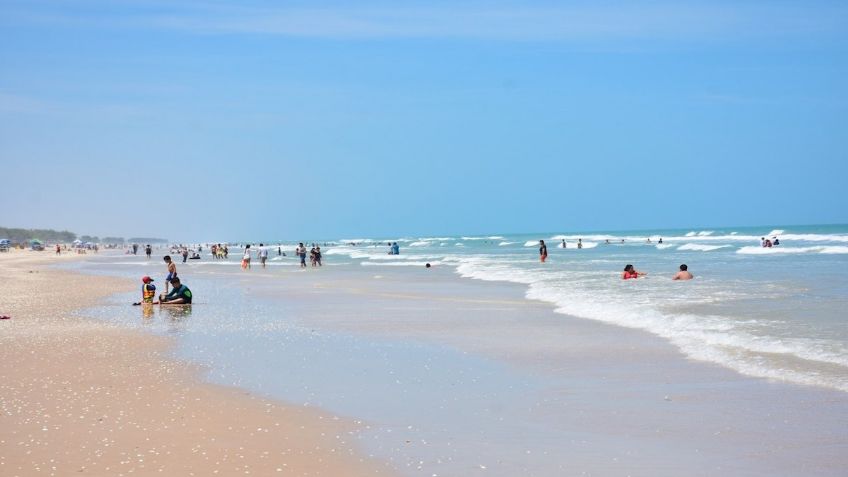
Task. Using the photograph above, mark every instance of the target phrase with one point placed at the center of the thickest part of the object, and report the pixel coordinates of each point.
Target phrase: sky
(209, 120)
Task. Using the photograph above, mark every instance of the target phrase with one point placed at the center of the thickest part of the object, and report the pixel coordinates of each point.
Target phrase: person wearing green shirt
(179, 295)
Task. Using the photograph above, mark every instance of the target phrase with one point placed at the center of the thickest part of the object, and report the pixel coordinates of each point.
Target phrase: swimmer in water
(630, 272)
(543, 251)
(683, 274)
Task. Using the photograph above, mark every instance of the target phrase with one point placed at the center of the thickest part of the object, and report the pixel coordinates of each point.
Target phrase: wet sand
(83, 397)
(602, 400)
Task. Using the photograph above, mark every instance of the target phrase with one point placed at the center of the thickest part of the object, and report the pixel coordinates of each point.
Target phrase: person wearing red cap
(148, 290)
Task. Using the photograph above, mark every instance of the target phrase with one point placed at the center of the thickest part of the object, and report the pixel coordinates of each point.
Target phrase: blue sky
(213, 120)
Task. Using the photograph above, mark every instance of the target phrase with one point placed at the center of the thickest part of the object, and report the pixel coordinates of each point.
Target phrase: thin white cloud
(15, 103)
(574, 22)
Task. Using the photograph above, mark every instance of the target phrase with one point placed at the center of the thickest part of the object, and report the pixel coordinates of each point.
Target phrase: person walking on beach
(135, 249)
(245, 259)
(58, 249)
(263, 254)
(172, 271)
(683, 274)
(630, 272)
(318, 255)
(301, 253)
(148, 250)
(543, 251)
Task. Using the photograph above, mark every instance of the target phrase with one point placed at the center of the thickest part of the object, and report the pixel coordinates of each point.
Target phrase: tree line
(45, 235)
(64, 236)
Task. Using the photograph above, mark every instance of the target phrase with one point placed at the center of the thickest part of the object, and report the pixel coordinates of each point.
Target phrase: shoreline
(504, 376)
(629, 396)
(91, 398)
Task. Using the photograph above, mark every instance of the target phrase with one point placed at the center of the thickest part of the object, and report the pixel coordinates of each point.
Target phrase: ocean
(775, 313)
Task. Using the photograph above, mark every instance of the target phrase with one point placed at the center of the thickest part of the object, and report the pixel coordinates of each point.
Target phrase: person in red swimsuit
(543, 251)
(630, 272)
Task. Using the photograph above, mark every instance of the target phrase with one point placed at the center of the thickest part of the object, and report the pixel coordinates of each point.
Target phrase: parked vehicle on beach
(37, 245)
(5, 244)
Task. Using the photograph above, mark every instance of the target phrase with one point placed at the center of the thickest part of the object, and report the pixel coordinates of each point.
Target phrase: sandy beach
(434, 374)
(456, 376)
(80, 397)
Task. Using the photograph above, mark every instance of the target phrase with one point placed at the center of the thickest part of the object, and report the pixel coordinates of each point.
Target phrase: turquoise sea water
(768, 312)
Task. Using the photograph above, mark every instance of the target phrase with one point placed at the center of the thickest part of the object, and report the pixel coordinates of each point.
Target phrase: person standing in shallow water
(263, 254)
(543, 251)
(245, 260)
(301, 253)
(172, 271)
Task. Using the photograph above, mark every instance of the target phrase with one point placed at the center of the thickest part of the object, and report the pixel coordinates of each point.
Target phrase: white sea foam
(531, 243)
(361, 240)
(416, 263)
(503, 244)
(719, 339)
(780, 250)
(573, 245)
(663, 246)
(700, 247)
(776, 232)
(704, 233)
(735, 237)
(422, 243)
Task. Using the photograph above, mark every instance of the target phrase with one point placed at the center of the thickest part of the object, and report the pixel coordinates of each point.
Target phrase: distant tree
(113, 240)
(45, 235)
(90, 238)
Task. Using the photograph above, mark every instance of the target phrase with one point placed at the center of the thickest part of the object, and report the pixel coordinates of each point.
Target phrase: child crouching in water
(148, 290)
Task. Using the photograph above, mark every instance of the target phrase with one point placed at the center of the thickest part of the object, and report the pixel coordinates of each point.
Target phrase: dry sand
(79, 397)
